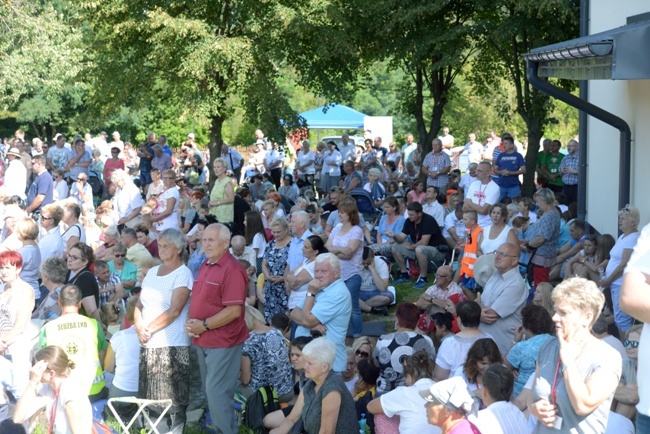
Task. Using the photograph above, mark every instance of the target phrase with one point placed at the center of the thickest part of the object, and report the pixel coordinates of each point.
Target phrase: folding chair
(142, 404)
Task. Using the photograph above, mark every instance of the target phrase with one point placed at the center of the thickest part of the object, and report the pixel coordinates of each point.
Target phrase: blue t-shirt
(396, 227)
(523, 356)
(76, 169)
(511, 162)
(43, 184)
(333, 308)
(58, 156)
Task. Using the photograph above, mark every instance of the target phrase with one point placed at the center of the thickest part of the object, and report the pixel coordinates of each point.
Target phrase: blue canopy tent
(338, 117)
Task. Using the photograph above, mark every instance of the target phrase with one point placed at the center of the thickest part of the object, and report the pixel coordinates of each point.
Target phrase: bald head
(238, 244)
(506, 257)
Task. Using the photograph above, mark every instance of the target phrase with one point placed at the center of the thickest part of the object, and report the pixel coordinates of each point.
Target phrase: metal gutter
(582, 124)
(624, 171)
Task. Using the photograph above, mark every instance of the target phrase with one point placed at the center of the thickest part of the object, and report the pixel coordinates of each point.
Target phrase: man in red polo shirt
(217, 324)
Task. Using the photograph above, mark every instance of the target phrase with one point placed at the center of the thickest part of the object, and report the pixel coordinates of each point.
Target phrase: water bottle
(362, 424)
(601, 273)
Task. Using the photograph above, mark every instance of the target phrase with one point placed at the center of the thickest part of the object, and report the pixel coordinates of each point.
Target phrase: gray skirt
(165, 374)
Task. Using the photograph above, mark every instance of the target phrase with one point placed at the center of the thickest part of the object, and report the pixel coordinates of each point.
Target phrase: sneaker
(403, 278)
(421, 284)
(379, 311)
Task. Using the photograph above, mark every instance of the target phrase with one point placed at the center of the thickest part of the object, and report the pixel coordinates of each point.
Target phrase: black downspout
(582, 124)
(597, 112)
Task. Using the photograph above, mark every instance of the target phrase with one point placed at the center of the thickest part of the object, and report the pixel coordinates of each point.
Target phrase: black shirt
(85, 280)
(427, 226)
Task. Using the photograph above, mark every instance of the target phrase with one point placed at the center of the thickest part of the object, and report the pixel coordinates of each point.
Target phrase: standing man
(299, 227)
(273, 164)
(408, 149)
(436, 166)
(145, 153)
(425, 243)
(503, 297)
(551, 168)
(509, 165)
(162, 141)
(482, 194)
(234, 160)
(41, 192)
(474, 149)
(467, 179)
(217, 325)
(569, 171)
(542, 156)
(347, 149)
(447, 140)
(15, 175)
(327, 307)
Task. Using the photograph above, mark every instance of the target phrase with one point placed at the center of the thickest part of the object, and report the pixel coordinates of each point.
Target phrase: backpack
(258, 405)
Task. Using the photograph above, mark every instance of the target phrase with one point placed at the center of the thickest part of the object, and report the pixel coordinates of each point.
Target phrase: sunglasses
(362, 354)
(634, 344)
(120, 255)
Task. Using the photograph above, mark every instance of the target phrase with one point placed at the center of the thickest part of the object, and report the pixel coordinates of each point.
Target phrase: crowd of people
(117, 261)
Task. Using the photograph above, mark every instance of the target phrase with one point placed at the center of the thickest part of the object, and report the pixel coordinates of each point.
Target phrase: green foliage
(508, 29)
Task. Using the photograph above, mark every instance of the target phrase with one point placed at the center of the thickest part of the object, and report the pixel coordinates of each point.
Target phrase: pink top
(352, 266)
(417, 197)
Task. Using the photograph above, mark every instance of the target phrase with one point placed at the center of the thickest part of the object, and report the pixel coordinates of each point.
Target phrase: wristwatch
(205, 325)
(309, 294)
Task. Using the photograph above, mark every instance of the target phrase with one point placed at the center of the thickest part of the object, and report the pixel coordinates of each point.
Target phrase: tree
(210, 55)
(42, 58)
(430, 40)
(509, 28)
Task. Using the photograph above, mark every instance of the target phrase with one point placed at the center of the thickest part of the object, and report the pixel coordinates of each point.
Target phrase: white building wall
(630, 100)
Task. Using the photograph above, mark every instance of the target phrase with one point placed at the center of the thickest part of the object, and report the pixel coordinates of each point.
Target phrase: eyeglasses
(362, 354)
(634, 344)
(120, 255)
(168, 177)
(46, 218)
(74, 258)
(440, 276)
(504, 254)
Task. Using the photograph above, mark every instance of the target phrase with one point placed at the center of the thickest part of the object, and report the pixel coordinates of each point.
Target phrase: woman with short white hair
(324, 403)
(374, 187)
(128, 200)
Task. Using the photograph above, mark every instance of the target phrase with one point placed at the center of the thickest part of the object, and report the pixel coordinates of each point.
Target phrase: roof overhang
(617, 54)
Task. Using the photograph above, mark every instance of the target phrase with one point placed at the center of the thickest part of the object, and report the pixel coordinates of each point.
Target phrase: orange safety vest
(469, 257)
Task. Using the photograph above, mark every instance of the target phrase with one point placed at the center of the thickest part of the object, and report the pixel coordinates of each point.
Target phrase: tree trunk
(215, 144)
(534, 136)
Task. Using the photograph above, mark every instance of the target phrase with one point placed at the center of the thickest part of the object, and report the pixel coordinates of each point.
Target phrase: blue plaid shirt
(570, 162)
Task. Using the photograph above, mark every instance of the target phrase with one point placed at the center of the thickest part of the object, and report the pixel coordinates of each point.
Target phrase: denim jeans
(354, 286)
(623, 320)
(510, 192)
(642, 423)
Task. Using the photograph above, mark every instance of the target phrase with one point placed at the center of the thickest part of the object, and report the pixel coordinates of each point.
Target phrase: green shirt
(552, 166)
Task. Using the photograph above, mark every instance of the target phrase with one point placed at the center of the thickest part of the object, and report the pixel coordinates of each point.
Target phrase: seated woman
(393, 346)
(480, 356)
(274, 419)
(392, 221)
(264, 360)
(67, 407)
(405, 401)
(453, 350)
(122, 359)
(53, 274)
(110, 237)
(374, 296)
(324, 404)
(449, 404)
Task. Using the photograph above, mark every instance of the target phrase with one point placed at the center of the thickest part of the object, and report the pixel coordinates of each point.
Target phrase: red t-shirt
(153, 248)
(217, 286)
(110, 166)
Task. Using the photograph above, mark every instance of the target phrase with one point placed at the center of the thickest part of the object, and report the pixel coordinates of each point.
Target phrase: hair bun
(71, 365)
